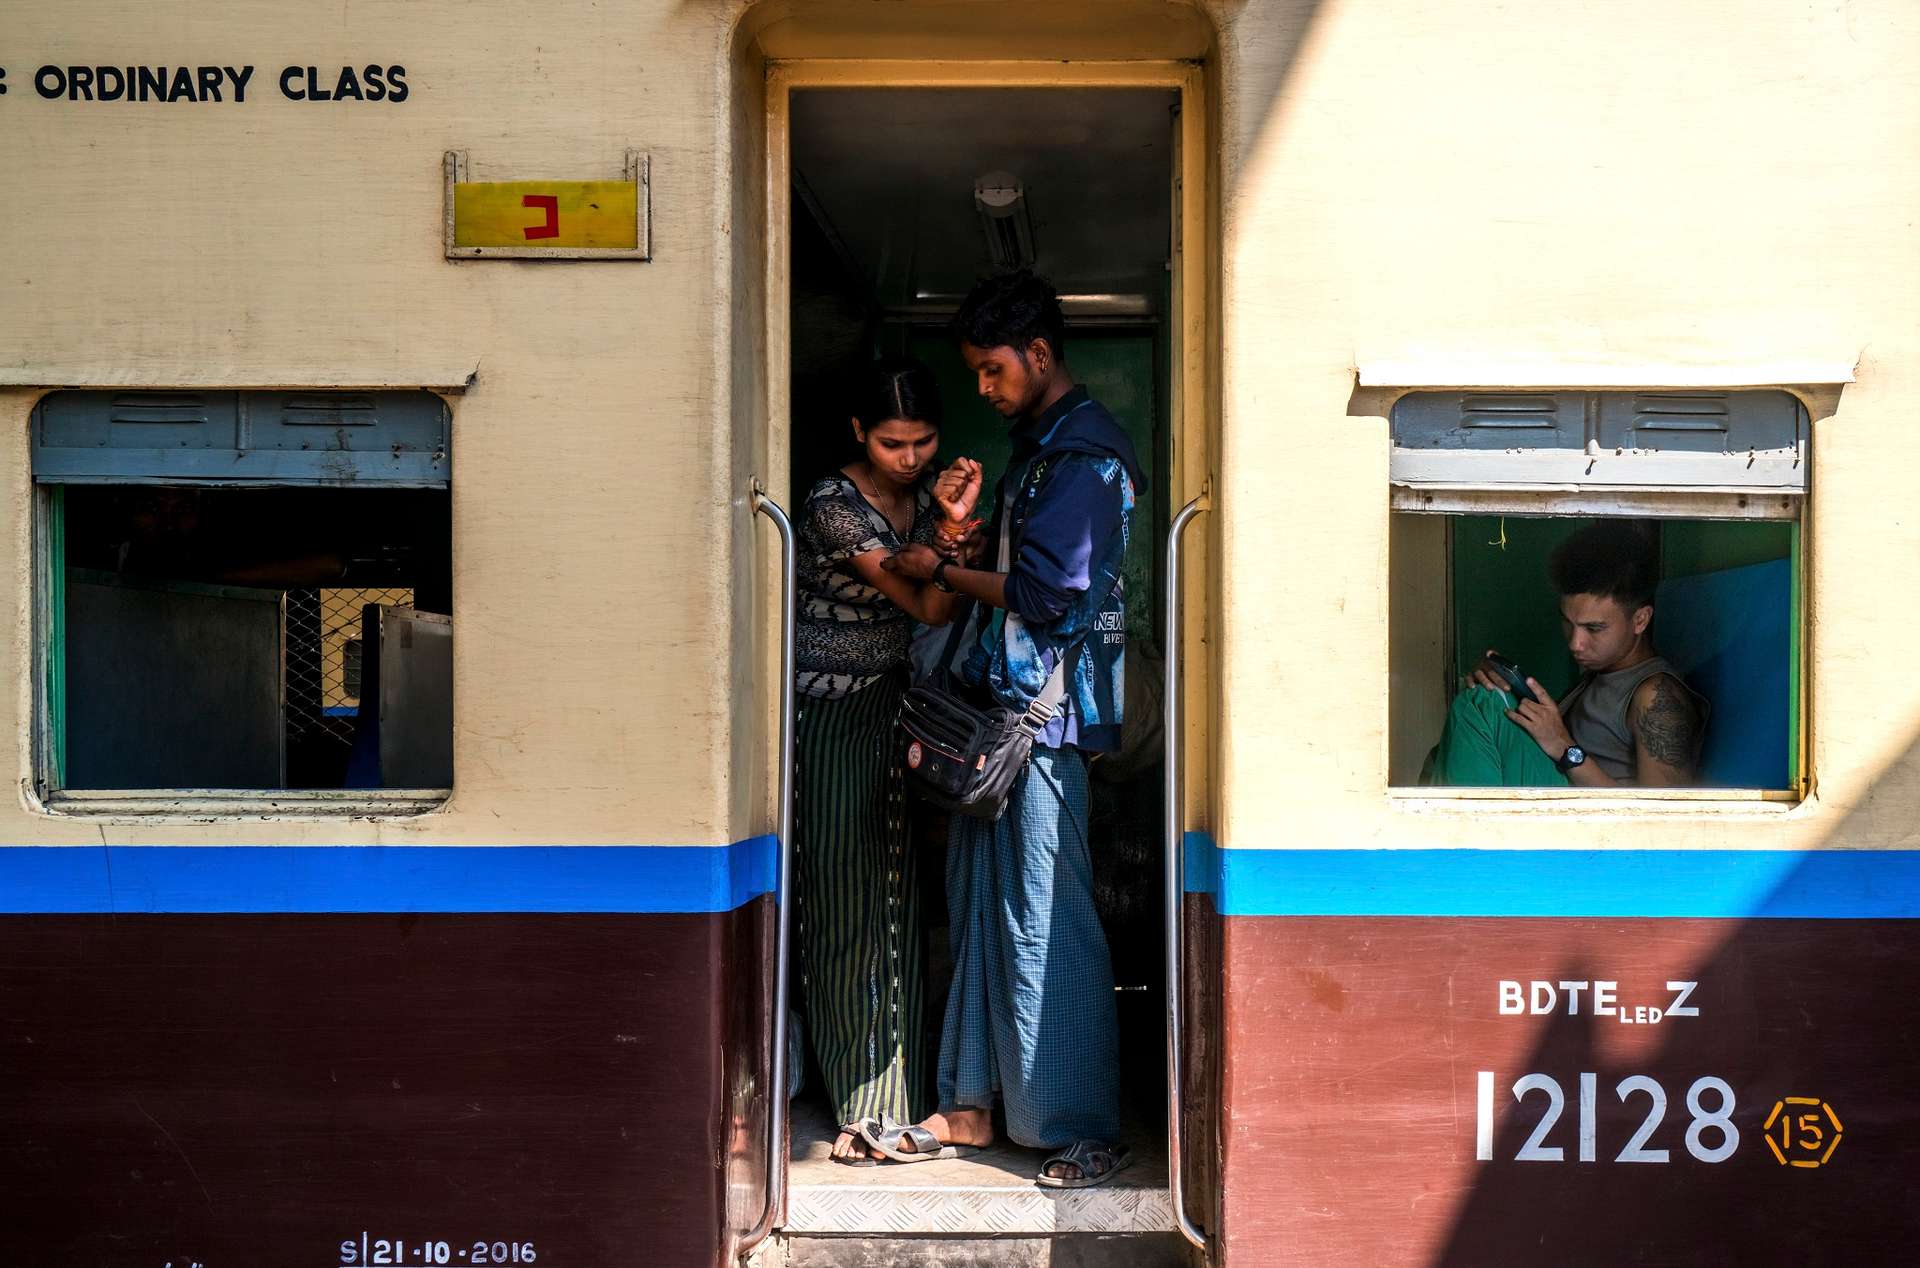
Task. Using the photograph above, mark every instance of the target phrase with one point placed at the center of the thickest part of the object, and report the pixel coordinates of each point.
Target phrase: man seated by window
(1629, 722)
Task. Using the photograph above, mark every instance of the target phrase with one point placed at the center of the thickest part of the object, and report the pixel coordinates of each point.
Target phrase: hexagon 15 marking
(1804, 1132)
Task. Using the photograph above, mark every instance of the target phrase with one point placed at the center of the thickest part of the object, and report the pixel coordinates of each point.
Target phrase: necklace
(886, 507)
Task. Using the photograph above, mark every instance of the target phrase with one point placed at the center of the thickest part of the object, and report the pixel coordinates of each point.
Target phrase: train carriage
(405, 407)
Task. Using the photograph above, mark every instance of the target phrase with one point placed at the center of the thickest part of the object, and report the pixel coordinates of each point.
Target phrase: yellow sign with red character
(557, 219)
(546, 213)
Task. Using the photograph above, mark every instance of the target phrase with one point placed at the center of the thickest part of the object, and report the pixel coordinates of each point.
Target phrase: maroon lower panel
(1356, 1050)
(1200, 1124)
(308, 1090)
(746, 1001)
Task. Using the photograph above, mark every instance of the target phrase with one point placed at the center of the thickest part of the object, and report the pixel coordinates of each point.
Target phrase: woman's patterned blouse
(849, 634)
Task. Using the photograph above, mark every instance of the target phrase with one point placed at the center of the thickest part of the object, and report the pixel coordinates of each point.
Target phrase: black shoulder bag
(965, 758)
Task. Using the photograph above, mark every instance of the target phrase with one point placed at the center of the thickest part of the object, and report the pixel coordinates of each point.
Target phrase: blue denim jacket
(1069, 490)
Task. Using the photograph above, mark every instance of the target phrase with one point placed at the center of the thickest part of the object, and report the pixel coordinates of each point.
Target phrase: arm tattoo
(1669, 727)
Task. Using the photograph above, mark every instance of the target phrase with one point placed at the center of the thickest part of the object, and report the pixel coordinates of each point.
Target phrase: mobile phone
(1516, 678)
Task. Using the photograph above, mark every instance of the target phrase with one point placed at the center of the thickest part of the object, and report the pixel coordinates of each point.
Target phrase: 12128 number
(1716, 1123)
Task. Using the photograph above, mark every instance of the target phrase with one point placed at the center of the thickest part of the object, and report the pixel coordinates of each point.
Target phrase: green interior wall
(56, 649)
(1503, 599)
(1119, 370)
(1798, 739)
(1691, 547)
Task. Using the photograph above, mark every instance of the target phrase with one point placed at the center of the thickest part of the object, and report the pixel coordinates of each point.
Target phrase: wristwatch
(940, 582)
(1565, 763)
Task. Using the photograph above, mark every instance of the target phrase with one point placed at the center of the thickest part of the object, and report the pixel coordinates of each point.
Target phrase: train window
(243, 596)
(1636, 555)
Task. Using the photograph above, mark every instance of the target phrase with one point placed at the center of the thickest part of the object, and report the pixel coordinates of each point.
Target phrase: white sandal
(926, 1146)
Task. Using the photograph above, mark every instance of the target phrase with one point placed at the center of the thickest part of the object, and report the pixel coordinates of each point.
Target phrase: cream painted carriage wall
(282, 242)
(1641, 194)
(1647, 194)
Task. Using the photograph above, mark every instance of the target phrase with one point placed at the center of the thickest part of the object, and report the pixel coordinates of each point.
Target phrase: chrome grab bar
(1176, 876)
(777, 1105)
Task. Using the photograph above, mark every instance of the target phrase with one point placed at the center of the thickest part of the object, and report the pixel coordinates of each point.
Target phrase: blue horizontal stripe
(1726, 884)
(384, 878)
(1201, 864)
(1736, 884)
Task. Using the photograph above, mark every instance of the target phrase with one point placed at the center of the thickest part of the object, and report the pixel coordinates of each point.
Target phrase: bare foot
(849, 1145)
(957, 1127)
(1106, 1160)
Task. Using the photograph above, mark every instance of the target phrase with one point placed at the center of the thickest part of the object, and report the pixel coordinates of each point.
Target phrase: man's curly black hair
(1611, 558)
(1011, 311)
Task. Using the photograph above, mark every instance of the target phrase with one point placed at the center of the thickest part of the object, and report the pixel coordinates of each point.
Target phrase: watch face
(1575, 755)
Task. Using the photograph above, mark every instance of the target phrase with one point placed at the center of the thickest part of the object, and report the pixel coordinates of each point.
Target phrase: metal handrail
(777, 1105)
(1176, 877)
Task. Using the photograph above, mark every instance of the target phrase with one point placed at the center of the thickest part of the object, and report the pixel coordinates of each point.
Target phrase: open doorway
(900, 199)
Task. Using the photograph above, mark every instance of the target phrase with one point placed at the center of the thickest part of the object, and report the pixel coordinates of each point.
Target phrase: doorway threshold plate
(991, 1192)
(974, 1209)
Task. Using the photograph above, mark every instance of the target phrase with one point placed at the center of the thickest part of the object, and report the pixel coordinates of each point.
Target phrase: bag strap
(957, 625)
(1002, 556)
(963, 613)
(1056, 689)
(1045, 706)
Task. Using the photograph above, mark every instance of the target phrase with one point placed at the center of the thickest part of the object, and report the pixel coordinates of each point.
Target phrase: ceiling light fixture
(1001, 201)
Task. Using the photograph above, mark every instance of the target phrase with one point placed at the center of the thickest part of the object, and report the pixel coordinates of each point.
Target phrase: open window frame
(411, 457)
(1699, 457)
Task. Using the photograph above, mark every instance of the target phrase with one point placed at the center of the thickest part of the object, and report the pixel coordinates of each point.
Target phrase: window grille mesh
(323, 658)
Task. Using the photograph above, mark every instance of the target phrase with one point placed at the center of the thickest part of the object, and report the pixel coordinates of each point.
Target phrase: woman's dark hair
(1610, 558)
(897, 387)
(1011, 311)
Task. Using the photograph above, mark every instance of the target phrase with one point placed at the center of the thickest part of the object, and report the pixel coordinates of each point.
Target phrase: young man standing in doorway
(1031, 1012)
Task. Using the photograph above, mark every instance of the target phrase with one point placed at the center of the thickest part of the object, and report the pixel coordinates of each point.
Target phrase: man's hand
(957, 489)
(916, 562)
(1541, 719)
(1485, 675)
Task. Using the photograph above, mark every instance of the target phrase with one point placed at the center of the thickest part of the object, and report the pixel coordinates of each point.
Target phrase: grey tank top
(1596, 713)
